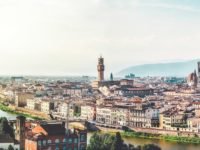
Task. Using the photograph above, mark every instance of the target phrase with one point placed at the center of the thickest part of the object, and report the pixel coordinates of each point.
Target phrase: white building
(30, 104)
(47, 106)
(88, 112)
(63, 110)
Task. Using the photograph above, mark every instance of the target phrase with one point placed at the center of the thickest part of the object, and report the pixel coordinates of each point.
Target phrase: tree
(10, 147)
(101, 142)
(5, 128)
(118, 143)
(151, 147)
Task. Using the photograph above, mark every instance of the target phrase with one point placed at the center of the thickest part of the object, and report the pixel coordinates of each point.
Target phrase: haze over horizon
(65, 37)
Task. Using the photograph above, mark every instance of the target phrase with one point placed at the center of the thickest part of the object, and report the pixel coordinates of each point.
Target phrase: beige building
(103, 115)
(88, 112)
(194, 124)
(63, 110)
(196, 106)
(169, 119)
(119, 116)
(47, 106)
(137, 118)
(112, 115)
(21, 98)
(30, 104)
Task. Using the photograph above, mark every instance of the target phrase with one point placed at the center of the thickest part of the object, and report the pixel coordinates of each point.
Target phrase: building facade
(54, 136)
(88, 112)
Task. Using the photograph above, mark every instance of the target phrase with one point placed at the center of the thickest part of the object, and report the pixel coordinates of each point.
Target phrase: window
(70, 140)
(57, 141)
(49, 141)
(75, 140)
(82, 137)
(82, 147)
(39, 143)
(64, 140)
(44, 142)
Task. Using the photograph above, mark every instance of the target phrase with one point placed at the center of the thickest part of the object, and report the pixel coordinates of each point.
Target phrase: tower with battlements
(20, 131)
(100, 68)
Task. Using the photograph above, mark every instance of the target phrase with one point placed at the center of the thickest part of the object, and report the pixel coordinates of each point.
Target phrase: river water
(136, 141)
(164, 145)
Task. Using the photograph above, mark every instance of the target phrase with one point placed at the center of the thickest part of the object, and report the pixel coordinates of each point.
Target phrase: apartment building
(63, 109)
(46, 136)
(137, 118)
(103, 115)
(171, 119)
(88, 112)
(119, 116)
(47, 106)
(30, 104)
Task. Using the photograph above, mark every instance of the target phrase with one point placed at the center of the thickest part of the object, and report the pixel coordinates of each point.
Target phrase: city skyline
(66, 37)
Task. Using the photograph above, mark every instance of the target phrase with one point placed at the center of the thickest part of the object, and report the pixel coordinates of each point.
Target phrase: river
(165, 145)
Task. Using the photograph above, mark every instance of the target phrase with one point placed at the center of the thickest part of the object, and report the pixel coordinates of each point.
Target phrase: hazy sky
(61, 37)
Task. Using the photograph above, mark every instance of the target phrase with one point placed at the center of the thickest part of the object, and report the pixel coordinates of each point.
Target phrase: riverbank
(178, 139)
(132, 134)
(6, 108)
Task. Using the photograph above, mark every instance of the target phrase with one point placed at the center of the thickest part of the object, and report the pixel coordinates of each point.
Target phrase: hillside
(179, 69)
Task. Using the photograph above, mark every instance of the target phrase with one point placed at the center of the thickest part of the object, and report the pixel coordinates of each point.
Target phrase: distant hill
(179, 69)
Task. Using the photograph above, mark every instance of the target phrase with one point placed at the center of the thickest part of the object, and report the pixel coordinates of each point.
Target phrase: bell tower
(198, 73)
(20, 131)
(100, 68)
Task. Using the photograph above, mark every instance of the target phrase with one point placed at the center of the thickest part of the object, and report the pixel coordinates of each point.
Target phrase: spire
(111, 77)
(195, 73)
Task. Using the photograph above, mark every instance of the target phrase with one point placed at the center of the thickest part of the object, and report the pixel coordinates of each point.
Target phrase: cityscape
(59, 114)
(99, 75)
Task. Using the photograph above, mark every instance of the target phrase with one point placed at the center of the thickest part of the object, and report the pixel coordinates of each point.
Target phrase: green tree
(101, 142)
(151, 147)
(5, 128)
(10, 147)
(118, 142)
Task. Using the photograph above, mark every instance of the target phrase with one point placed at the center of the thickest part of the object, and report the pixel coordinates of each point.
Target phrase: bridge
(56, 116)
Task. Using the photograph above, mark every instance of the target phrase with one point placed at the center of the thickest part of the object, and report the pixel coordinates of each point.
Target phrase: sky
(65, 37)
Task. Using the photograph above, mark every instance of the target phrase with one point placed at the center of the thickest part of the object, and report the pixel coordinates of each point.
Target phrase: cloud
(173, 6)
(67, 36)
